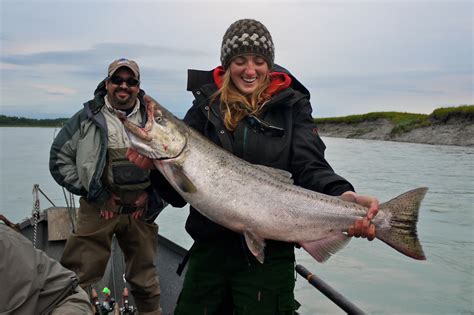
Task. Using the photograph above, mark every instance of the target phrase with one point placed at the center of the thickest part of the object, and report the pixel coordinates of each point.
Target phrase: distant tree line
(11, 121)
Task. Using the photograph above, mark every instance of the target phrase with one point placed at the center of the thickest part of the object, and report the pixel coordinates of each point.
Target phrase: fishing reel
(108, 304)
(126, 308)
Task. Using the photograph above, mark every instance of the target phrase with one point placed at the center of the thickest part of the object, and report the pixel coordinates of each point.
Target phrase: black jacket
(285, 138)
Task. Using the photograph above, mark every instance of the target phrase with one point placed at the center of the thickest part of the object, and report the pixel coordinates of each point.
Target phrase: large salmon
(260, 202)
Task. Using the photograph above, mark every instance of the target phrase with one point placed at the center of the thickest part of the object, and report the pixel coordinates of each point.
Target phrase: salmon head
(162, 137)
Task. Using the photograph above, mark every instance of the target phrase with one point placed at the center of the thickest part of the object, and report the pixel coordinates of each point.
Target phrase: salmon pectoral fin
(323, 248)
(401, 233)
(256, 245)
(176, 174)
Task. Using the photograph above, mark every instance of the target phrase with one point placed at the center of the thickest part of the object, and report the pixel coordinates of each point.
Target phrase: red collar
(278, 80)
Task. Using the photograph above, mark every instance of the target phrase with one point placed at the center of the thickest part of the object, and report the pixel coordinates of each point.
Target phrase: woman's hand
(363, 227)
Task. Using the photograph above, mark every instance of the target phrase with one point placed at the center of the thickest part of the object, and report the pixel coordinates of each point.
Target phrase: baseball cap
(124, 62)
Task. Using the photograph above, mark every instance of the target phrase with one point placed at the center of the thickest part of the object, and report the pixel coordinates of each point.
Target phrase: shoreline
(457, 132)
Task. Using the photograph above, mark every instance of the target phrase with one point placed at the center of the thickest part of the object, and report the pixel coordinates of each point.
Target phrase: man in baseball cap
(116, 195)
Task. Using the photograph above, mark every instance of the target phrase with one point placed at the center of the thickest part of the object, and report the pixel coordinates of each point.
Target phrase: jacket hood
(198, 78)
(278, 80)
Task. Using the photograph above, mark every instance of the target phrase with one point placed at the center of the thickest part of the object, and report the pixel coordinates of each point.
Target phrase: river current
(372, 275)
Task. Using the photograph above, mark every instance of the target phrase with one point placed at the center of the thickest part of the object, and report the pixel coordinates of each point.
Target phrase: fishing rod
(328, 291)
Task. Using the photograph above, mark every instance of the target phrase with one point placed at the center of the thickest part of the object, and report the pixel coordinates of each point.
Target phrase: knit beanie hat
(247, 36)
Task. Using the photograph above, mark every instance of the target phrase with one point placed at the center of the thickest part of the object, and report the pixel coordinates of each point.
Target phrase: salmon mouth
(139, 132)
(142, 133)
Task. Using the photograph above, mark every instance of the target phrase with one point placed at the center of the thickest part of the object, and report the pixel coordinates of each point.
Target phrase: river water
(373, 276)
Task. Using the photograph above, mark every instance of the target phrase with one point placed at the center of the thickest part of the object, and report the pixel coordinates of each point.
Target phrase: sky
(353, 56)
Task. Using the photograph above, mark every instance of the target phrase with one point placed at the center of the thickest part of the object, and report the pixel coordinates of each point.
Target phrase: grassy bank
(404, 122)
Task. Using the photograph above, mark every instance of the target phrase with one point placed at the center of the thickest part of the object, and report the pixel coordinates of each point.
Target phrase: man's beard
(120, 102)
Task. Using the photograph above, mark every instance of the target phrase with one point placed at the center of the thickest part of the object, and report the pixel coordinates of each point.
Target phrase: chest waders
(124, 178)
(127, 181)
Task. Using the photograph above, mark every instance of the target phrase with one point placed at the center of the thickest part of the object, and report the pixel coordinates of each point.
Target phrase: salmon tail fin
(400, 232)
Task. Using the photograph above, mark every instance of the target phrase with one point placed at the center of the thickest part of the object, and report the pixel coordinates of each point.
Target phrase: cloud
(55, 90)
(133, 51)
(353, 56)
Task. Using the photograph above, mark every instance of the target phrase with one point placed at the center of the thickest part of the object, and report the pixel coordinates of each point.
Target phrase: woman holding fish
(258, 111)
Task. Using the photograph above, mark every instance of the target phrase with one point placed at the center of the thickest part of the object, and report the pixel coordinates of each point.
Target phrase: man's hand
(140, 160)
(363, 227)
(110, 207)
(140, 203)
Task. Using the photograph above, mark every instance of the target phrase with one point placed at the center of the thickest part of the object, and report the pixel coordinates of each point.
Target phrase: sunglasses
(119, 80)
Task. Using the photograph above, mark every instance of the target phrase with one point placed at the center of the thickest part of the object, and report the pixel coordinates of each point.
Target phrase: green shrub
(394, 117)
(409, 125)
(443, 114)
(403, 122)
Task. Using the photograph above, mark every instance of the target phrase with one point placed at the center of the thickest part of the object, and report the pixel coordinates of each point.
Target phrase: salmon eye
(159, 119)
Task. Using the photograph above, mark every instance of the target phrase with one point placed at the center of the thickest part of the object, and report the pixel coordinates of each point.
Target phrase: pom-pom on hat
(247, 36)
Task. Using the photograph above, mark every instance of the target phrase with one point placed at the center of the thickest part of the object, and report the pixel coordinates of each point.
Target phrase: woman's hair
(235, 105)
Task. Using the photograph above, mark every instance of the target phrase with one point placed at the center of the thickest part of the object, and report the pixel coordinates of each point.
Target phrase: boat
(48, 229)
(49, 232)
